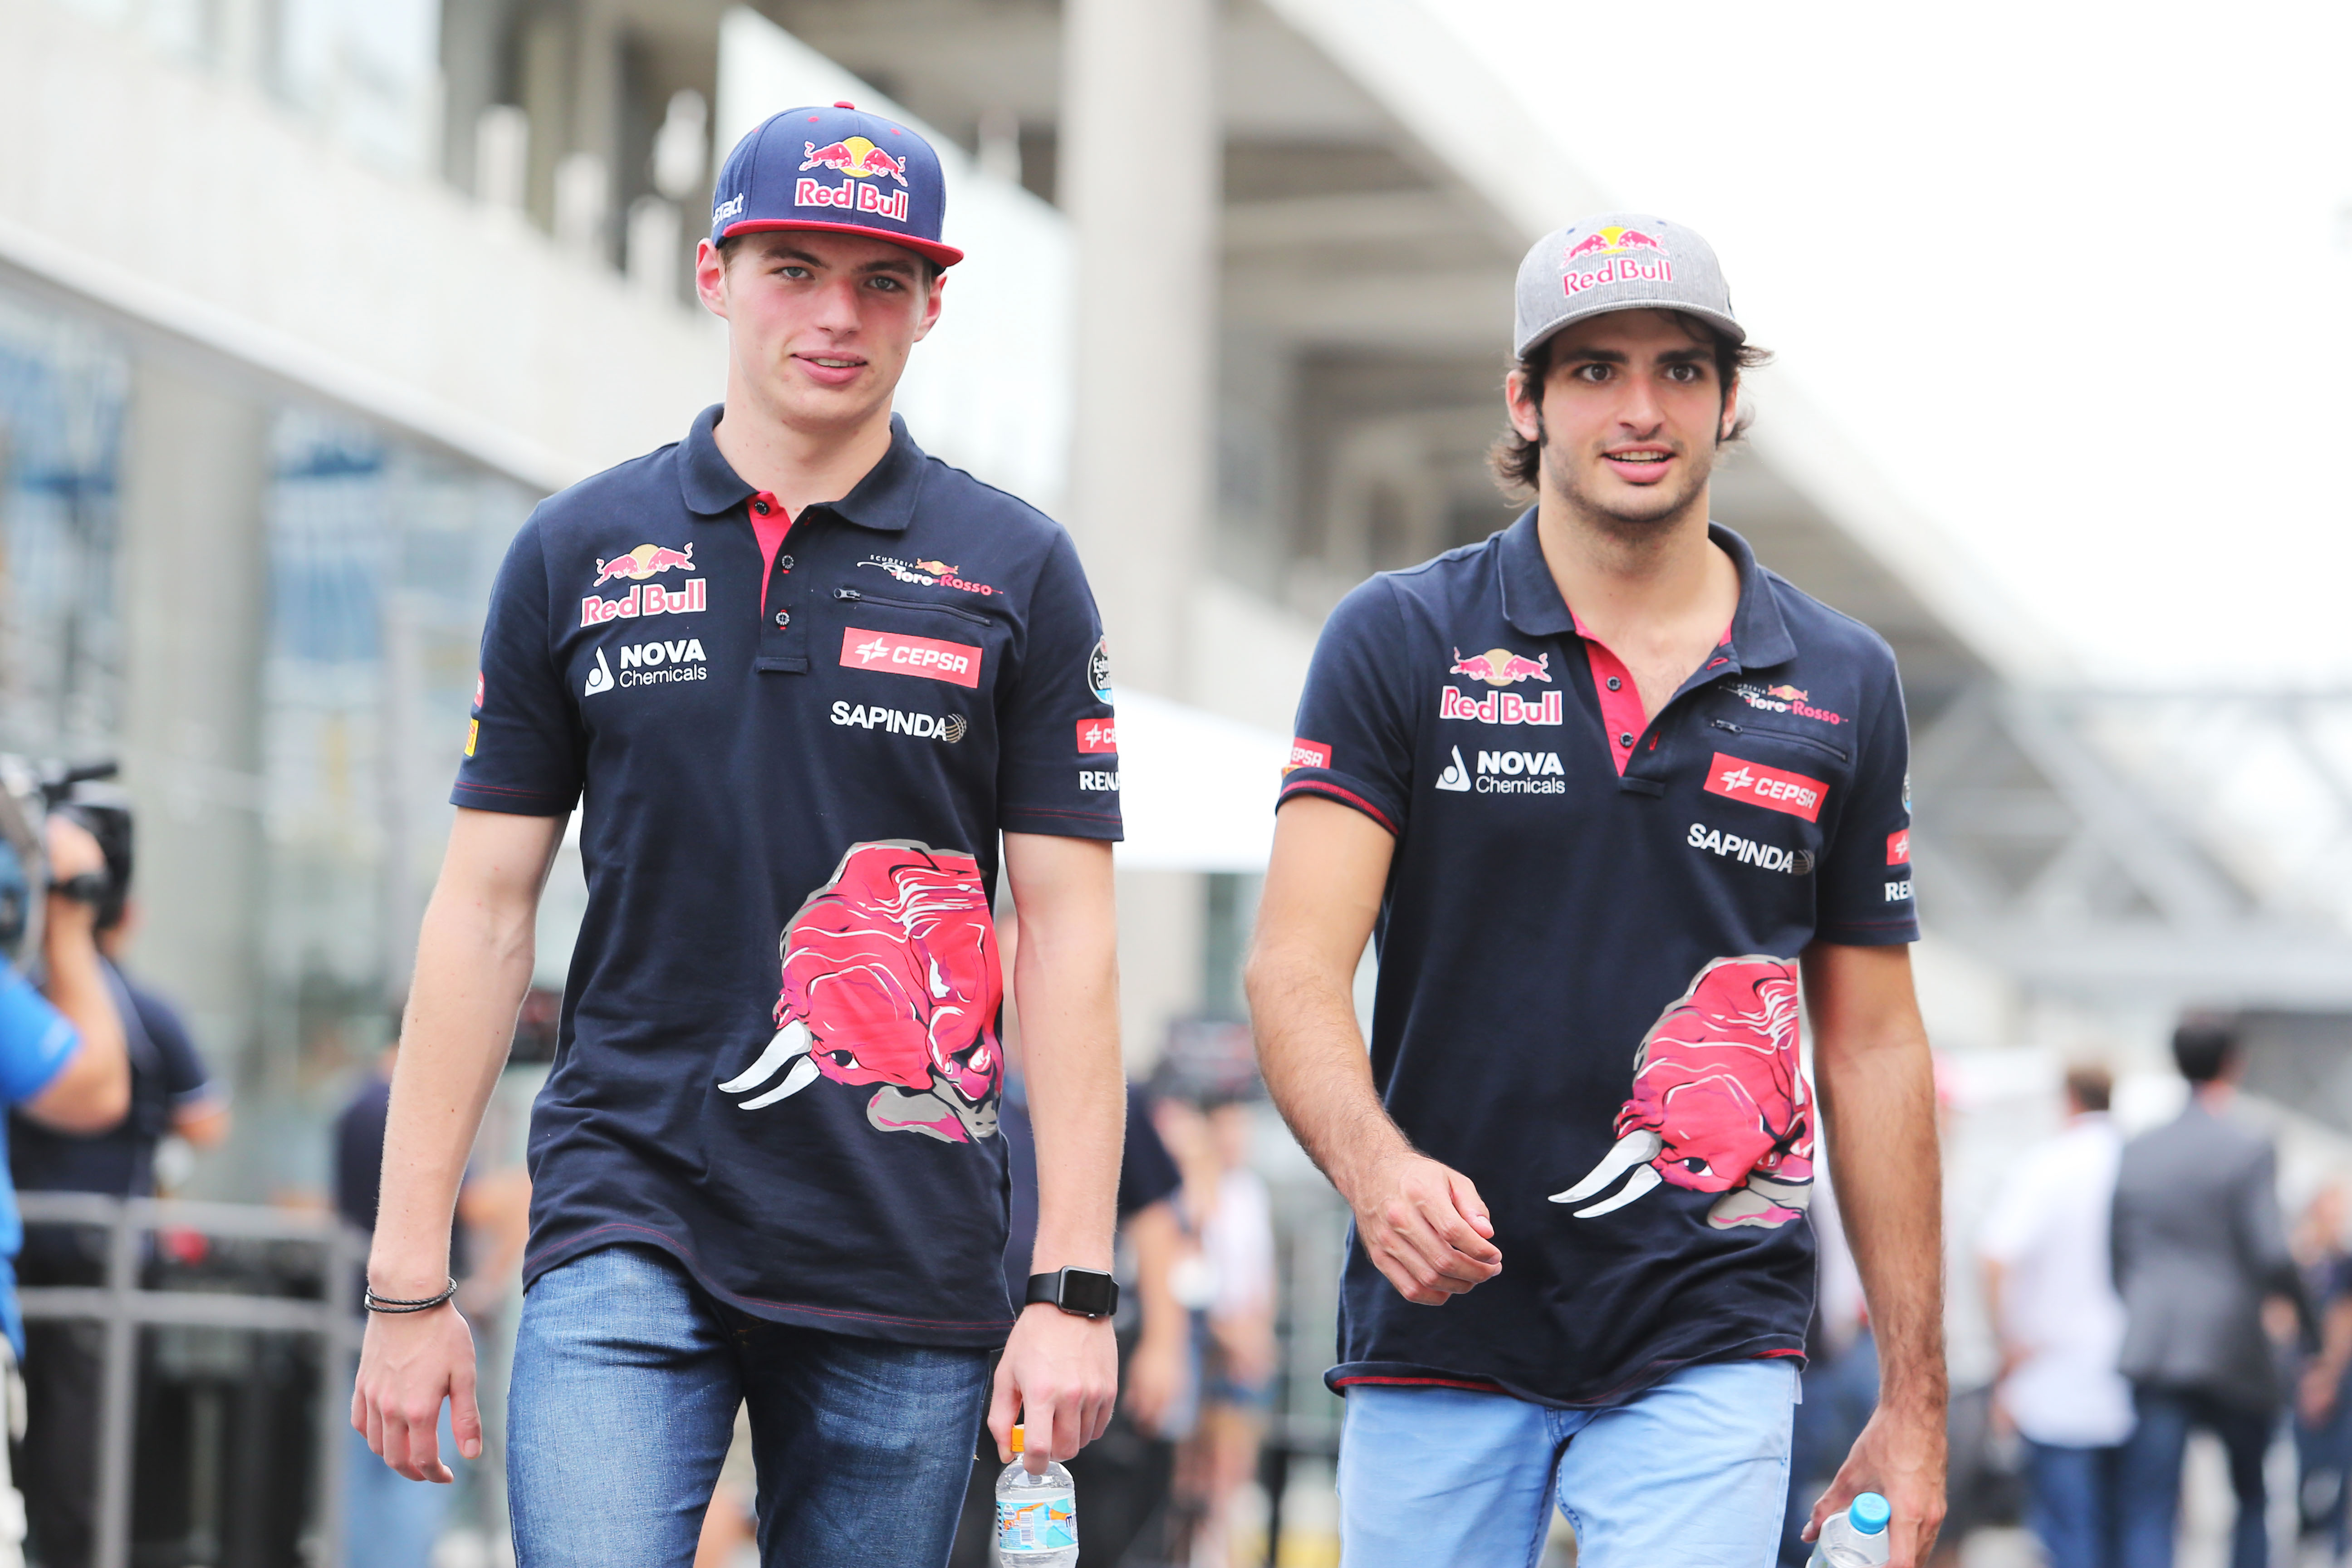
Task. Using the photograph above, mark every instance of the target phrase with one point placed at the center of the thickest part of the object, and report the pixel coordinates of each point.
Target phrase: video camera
(29, 791)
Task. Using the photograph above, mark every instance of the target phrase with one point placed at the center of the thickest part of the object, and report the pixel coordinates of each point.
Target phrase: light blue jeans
(1691, 1471)
(389, 1521)
(626, 1377)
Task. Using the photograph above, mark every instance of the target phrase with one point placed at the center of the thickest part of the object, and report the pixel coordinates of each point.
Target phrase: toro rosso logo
(1717, 1104)
(891, 978)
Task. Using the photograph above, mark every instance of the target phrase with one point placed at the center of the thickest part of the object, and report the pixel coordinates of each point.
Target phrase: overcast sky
(2078, 277)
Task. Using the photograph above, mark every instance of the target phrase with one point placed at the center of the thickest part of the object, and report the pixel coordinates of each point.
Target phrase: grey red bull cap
(1619, 261)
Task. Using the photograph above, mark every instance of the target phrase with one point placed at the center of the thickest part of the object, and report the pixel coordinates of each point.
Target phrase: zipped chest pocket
(1770, 733)
(860, 596)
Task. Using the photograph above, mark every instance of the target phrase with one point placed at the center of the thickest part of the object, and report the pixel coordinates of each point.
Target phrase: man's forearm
(473, 964)
(1311, 1054)
(1878, 1101)
(1065, 984)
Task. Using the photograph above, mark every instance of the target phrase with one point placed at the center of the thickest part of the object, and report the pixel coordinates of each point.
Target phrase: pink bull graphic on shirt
(1718, 1105)
(891, 978)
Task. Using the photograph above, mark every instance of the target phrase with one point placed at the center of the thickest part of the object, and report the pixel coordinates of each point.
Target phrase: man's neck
(1616, 575)
(799, 465)
(2216, 1094)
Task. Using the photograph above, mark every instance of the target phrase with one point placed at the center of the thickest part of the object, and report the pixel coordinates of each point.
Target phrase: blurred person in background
(65, 1067)
(1840, 1378)
(1227, 1280)
(387, 1522)
(765, 1167)
(172, 1094)
(1123, 1476)
(2323, 1415)
(1602, 785)
(2060, 1325)
(2197, 1244)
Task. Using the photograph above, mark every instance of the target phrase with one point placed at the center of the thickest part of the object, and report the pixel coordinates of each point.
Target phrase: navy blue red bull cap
(836, 170)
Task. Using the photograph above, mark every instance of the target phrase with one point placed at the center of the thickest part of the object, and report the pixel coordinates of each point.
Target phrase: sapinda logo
(896, 653)
(898, 721)
(1736, 778)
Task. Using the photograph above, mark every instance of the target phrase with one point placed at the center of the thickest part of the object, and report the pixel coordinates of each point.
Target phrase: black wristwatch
(1084, 1292)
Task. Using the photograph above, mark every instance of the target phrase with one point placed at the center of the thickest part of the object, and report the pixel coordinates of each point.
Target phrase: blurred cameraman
(170, 1092)
(63, 1065)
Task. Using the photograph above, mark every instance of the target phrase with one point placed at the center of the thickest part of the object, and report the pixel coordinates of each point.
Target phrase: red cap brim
(930, 249)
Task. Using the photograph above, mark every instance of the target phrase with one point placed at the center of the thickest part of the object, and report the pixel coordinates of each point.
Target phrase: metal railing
(123, 1307)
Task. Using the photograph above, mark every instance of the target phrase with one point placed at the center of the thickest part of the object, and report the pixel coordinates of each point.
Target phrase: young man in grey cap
(1607, 791)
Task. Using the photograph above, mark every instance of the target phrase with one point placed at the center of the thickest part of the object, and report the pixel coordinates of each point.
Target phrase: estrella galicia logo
(1098, 669)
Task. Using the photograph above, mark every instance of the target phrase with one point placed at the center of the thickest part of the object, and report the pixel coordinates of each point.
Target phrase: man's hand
(1060, 1375)
(1425, 1227)
(1901, 1458)
(1155, 1375)
(409, 1362)
(2316, 1393)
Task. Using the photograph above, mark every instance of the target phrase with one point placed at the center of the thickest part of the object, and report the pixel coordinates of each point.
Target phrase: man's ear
(931, 305)
(1730, 414)
(1523, 409)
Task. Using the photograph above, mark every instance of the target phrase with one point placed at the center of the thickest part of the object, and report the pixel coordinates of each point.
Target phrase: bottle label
(1048, 1523)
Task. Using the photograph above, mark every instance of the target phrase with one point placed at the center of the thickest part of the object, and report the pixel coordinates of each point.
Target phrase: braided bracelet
(375, 1304)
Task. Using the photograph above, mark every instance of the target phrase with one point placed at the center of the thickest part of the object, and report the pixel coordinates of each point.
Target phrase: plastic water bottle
(1037, 1516)
(1855, 1538)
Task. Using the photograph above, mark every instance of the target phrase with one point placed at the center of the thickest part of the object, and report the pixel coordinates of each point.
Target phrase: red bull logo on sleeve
(1736, 778)
(890, 977)
(1717, 1104)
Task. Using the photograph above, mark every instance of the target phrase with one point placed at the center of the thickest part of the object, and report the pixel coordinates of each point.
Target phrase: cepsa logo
(1306, 753)
(1736, 778)
(1898, 848)
(1614, 253)
(897, 654)
(860, 160)
(1098, 737)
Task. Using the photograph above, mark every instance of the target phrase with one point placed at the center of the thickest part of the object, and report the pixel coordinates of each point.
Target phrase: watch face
(1084, 1290)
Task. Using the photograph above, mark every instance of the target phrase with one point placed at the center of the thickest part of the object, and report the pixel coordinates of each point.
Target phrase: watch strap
(1084, 1292)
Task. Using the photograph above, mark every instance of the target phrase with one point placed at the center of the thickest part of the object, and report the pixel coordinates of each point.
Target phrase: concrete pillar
(195, 592)
(1139, 171)
(1139, 153)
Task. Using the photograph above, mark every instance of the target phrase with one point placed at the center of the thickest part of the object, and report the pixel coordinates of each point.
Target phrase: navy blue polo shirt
(1587, 953)
(778, 1058)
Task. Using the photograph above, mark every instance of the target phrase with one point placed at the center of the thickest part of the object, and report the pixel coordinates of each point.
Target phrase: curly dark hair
(1517, 462)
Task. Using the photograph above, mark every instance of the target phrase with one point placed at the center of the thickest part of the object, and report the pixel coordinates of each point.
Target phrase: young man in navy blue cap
(806, 677)
(1605, 788)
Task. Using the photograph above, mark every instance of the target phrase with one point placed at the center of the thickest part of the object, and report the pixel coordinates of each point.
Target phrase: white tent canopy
(1196, 790)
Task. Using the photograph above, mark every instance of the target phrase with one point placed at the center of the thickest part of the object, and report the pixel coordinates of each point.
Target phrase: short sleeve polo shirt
(1587, 995)
(778, 1058)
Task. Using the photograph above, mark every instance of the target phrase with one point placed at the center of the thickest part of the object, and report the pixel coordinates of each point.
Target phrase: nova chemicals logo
(1520, 772)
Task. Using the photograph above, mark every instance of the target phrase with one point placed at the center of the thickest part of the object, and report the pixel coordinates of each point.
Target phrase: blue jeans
(2148, 1495)
(626, 1377)
(1690, 1471)
(2072, 1502)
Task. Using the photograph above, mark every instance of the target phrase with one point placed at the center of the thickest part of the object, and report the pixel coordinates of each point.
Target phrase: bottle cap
(1869, 1514)
(1016, 1445)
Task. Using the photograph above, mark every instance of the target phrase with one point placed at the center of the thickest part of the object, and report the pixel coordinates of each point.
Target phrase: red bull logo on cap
(890, 977)
(1613, 239)
(1718, 1105)
(854, 156)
